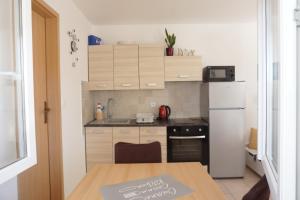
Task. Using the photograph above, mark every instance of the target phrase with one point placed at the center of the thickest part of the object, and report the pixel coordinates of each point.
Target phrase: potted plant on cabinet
(170, 41)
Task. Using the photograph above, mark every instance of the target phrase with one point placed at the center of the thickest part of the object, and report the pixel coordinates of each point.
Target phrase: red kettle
(164, 112)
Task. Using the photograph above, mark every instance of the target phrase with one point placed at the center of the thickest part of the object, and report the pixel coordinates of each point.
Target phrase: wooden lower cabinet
(100, 141)
(153, 134)
(99, 148)
(125, 134)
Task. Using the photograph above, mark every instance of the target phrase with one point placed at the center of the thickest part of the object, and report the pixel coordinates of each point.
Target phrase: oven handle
(187, 137)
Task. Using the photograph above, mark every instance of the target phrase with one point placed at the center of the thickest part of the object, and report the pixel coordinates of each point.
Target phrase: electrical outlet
(152, 104)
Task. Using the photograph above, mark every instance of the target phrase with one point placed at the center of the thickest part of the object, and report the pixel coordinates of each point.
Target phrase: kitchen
(232, 42)
(142, 95)
(182, 93)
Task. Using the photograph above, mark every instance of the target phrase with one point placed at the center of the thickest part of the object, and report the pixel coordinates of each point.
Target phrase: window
(272, 83)
(12, 146)
(277, 96)
(298, 109)
(17, 138)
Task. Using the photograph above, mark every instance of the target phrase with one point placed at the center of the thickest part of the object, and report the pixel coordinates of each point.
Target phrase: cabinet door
(125, 134)
(126, 67)
(98, 146)
(151, 67)
(101, 67)
(152, 134)
(99, 85)
(183, 68)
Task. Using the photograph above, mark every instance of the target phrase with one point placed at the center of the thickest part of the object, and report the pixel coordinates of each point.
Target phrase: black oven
(219, 74)
(188, 144)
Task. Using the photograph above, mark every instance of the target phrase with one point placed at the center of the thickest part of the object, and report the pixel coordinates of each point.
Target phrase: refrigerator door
(227, 143)
(227, 95)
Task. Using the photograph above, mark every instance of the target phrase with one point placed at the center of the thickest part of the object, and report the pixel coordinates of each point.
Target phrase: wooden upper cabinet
(101, 67)
(151, 67)
(183, 68)
(126, 67)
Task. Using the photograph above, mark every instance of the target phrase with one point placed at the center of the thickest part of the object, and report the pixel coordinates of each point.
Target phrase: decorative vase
(169, 51)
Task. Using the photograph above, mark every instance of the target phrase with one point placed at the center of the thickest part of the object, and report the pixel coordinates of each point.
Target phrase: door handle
(46, 111)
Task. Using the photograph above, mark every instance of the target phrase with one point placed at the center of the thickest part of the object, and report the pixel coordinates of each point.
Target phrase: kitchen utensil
(164, 112)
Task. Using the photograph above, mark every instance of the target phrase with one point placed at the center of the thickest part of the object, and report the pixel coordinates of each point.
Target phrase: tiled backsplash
(182, 97)
(88, 107)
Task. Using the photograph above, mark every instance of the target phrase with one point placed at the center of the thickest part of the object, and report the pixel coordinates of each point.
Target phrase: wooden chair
(260, 191)
(137, 153)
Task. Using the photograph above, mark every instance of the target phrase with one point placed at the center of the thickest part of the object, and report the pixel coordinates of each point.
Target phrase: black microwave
(219, 74)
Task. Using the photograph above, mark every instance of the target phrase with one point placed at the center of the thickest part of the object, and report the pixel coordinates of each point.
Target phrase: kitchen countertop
(170, 122)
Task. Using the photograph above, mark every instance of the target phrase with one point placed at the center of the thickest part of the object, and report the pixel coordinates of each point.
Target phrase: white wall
(218, 44)
(9, 190)
(72, 136)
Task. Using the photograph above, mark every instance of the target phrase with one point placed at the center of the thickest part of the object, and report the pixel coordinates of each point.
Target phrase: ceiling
(109, 12)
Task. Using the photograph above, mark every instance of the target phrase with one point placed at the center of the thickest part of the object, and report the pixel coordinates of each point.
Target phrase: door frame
(53, 98)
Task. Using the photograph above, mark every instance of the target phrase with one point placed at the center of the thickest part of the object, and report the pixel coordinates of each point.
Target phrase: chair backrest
(137, 153)
(260, 191)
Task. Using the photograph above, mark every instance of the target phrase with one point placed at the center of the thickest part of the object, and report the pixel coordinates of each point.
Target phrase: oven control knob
(187, 130)
(200, 129)
(174, 130)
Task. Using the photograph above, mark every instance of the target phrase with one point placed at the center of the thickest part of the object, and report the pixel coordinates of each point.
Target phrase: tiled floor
(235, 189)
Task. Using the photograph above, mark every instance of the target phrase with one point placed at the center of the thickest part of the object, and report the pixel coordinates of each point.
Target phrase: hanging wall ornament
(74, 46)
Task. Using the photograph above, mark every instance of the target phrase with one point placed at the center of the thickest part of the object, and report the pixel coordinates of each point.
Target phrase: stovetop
(187, 122)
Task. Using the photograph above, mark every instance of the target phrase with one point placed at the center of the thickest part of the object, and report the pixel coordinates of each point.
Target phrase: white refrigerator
(223, 104)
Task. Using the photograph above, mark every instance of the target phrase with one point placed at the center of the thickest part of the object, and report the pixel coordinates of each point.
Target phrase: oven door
(188, 149)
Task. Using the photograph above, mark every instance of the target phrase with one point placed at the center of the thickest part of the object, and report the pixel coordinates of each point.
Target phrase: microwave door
(218, 73)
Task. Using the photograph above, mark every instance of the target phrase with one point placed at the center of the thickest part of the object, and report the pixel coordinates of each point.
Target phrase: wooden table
(190, 174)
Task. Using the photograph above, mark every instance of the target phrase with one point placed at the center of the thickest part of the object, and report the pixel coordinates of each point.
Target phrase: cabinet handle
(151, 84)
(126, 85)
(101, 85)
(183, 76)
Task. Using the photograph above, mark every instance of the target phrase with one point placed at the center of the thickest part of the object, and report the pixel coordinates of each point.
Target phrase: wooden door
(34, 184)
